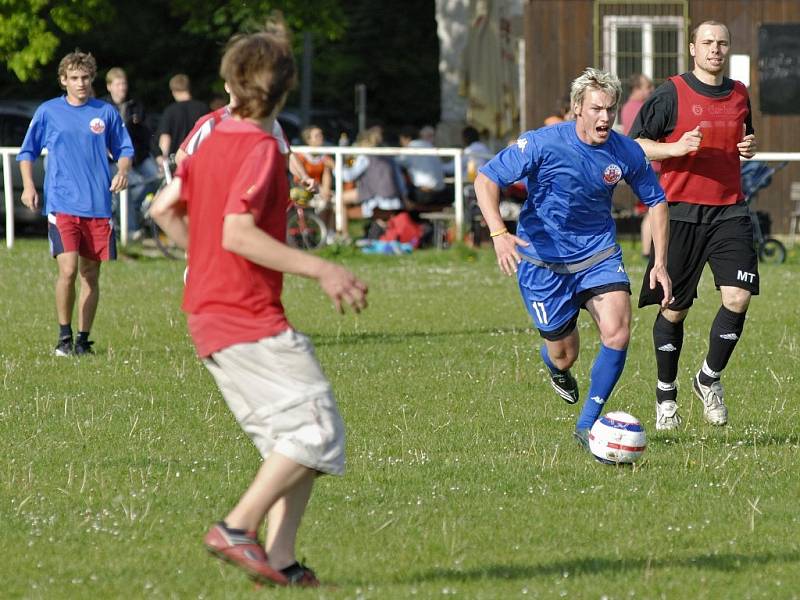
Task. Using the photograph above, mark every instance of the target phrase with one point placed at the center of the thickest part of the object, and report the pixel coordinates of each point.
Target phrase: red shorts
(91, 237)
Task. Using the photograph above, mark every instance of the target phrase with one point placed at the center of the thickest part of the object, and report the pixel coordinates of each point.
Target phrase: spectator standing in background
(180, 116)
(144, 168)
(641, 86)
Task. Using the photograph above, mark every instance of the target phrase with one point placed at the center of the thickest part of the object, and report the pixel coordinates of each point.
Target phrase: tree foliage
(31, 30)
(221, 20)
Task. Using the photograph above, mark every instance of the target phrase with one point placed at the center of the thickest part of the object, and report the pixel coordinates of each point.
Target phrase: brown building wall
(559, 38)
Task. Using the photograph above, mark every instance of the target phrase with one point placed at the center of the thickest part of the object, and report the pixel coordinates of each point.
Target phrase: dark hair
(408, 131)
(470, 135)
(259, 70)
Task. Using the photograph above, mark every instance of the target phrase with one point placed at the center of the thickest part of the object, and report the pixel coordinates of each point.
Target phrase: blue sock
(606, 370)
(546, 358)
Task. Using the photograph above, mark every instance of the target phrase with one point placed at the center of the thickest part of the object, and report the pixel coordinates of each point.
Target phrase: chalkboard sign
(779, 68)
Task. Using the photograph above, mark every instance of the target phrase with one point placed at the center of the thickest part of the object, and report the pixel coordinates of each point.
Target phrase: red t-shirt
(229, 299)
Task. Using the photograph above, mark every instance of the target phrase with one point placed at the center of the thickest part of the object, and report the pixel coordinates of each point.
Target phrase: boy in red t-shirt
(227, 203)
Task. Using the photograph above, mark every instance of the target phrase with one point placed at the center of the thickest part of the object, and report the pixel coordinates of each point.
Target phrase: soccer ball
(617, 438)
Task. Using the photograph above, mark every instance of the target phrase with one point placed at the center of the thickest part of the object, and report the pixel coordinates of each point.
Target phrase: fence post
(123, 217)
(339, 186)
(458, 184)
(9, 199)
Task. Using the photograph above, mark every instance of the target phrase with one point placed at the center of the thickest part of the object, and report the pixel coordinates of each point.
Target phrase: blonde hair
(180, 83)
(597, 80)
(77, 60)
(115, 73)
(370, 137)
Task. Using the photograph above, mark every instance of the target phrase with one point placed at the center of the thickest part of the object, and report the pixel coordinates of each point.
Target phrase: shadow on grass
(379, 337)
(726, 439)
(598, 565)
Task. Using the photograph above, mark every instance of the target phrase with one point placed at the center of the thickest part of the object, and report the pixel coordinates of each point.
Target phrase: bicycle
(152, 233)
(757, 175)
(304, 228)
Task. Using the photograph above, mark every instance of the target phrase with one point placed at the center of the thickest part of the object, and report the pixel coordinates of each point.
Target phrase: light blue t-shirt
(567, 215)
(78, 141)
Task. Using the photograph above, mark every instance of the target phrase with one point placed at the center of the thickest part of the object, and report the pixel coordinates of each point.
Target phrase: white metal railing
(338, 152)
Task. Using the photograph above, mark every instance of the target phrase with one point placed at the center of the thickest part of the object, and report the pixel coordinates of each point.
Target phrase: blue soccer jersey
(567, 215)
(79, 140)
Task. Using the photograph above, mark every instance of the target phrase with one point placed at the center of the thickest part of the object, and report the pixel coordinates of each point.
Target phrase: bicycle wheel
(304, 229)
(772, 251)
(163, 243)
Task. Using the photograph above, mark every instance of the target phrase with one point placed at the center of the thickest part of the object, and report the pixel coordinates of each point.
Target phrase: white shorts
(278, 393)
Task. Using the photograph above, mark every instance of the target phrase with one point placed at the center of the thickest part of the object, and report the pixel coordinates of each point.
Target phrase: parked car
(15, 116)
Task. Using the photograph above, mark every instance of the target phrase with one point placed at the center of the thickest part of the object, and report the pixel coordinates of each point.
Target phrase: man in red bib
(698, 125)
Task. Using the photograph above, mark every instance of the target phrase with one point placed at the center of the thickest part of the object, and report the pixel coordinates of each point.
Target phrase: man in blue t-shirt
(565, 253)
(79, 134)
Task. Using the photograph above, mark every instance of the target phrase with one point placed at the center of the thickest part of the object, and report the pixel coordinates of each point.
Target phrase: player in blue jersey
(79, 133)
(565, 252)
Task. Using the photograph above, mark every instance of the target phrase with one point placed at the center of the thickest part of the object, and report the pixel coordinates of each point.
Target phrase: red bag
(402, 228)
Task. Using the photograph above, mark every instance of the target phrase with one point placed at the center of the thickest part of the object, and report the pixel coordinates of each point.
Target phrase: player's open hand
(508, 256)
(747, 147)
(30, 198)
(119, 182)
(659, 276)
(690, 141)
(343, 288)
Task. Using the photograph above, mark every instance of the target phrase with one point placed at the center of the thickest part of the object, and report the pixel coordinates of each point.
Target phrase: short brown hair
(259, 70)
(713, 23)
(180, 83)
(115, 73)
(77, 60)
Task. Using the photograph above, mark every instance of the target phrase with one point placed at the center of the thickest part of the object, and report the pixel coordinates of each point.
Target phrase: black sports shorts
(726, 245)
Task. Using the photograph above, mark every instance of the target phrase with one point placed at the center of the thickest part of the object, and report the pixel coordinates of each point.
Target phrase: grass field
(463, 479)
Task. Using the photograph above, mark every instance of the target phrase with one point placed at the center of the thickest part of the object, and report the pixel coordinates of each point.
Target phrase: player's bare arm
(505, 243)
(30, 197)
(659, 222)
(242, 236)
(169, 212)
(120, 180)
(688, 142)
(299, 171)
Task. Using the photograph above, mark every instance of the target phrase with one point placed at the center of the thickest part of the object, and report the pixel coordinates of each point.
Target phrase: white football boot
(714, 409)
(667, 416)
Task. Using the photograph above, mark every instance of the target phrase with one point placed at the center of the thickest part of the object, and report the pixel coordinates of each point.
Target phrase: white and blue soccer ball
(617, 438)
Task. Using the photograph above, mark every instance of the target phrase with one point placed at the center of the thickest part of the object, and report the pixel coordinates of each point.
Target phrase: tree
(30, 30)
(220, 21)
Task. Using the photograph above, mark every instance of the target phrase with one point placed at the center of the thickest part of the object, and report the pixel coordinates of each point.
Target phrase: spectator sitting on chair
(425, 172)
(476, 153)
(378, 192)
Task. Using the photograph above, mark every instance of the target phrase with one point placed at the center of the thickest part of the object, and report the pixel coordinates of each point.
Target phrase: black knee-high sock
(725, 333)
(668, 341)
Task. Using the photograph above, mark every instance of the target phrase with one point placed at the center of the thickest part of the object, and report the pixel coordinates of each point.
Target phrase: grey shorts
(278, 393)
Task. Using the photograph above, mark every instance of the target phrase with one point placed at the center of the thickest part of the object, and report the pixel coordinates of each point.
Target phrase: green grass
(462, 478)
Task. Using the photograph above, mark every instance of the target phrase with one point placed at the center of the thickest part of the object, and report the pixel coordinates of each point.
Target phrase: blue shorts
(554, 299)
